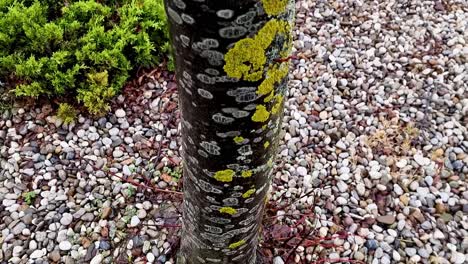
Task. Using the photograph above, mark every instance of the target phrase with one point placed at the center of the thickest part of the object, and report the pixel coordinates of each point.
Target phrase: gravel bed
(374, 144)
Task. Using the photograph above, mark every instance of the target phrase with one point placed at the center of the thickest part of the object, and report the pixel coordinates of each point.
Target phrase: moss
(261, 114)
(245, 60)
(237, 244)
(239, 139)
(246, 173)
(224, 175)
(278, 103)
(267, 144)
(248, 193)
(228, 210)
(274, 7)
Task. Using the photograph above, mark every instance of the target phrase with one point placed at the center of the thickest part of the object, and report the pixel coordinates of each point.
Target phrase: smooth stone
(150, 257)
(54, 256)
(302, 171)
(402, 163)
(120, 113)
(386, 219)
(65, 245)
(66, 219)
(97, 259)
(278, 260)
(135, 221)
(421, 160)
(410, 251)
(457, 257)
(38, 253)
(117, 153)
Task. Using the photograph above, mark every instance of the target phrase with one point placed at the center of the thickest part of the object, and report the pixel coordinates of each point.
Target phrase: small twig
(292, 57)
(145, 186)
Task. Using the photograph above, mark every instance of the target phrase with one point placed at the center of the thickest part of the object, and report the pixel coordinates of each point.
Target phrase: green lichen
(237, 244)
(246, 173)
(248, 193)
(239, 139)
(224, 175)
(274, 7)
(261, 114)
(278, 103)
(245, 60)
(267, 144)
(228, 210)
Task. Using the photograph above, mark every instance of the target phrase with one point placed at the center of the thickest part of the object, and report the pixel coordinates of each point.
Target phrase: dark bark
(231, 86)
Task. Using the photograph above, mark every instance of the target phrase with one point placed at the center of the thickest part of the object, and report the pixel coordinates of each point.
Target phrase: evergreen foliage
(83, 49)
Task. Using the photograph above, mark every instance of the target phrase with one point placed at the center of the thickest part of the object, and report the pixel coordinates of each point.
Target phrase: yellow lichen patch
(269, 97)
(278, 102)
(239, 139)
(268, 32)
(264, 127)
(224, 175)
(261, 114)
(274, 7)
(266, 86)
(237, 244)
(267, 144)
(246, 173)
(275, 74)
(245, 60)
(228, 210)
(248, 193)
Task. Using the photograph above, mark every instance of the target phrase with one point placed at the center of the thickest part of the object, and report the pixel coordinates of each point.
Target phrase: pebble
(97, 259)
(301, 171)
(386, 219)
(458, 258)
(65, 245)
(117, 153)
(38, 253)
(135, 221)
(421, 160)
(120, 113)
(66, 219)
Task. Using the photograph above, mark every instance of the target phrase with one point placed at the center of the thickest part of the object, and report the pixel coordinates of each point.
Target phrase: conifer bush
(80, 49)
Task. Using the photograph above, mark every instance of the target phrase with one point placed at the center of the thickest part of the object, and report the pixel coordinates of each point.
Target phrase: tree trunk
(232, 76)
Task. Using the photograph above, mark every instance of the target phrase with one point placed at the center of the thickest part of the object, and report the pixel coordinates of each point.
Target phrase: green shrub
(67, 113)
(83, 49)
